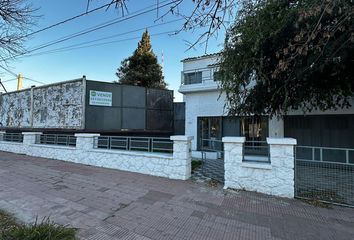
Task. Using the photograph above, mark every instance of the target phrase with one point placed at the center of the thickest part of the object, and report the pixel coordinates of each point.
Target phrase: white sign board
(98, 98)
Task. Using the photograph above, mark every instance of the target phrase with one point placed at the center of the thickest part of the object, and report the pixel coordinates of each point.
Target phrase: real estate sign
(98, 98)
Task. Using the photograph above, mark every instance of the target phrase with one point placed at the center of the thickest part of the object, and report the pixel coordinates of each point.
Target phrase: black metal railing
(325, 174)
(13, 137)
(56, 139)
(212, 146)
(146, 144)
(257, 151)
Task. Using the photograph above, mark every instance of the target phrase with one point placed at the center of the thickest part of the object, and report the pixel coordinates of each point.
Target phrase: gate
(213, 159)
(325, 174)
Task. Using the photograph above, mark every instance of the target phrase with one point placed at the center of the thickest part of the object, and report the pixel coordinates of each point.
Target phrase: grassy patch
(196, 164)
(10, 229)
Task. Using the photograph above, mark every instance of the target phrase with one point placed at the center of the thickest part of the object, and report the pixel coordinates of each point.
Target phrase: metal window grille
(325, 174)
(257, 151)
(56, 139)
(13, 137)
(146, 144)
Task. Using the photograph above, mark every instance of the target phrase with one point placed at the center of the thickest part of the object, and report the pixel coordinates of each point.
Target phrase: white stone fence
(275, 177)
(174, 166)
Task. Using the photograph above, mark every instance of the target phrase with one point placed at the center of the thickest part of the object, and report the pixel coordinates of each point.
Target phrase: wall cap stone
(87, 135)
(233, 139)
(257, 165)
(181, 138)
(281, 141)
(32, 133)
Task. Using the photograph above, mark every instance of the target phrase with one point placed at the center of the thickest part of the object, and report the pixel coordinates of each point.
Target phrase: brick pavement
(111, 204)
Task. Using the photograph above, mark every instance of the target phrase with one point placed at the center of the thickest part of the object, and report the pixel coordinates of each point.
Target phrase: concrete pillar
(182, 152)
(85, 141)
(30, 137)
(282, 158)
(233, 156)
(2, 135)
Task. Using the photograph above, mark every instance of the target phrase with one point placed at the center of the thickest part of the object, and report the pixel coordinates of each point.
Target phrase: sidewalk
(111, 204)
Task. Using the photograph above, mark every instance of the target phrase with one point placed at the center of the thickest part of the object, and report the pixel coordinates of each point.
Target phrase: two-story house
(208, 121)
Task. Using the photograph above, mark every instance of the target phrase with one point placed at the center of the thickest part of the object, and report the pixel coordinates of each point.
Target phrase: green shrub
(46, 230)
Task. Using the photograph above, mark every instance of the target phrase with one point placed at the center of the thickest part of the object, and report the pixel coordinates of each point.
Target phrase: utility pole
(19, 82)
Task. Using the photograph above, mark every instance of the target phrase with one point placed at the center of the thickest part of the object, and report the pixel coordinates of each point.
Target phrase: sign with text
(98, 98)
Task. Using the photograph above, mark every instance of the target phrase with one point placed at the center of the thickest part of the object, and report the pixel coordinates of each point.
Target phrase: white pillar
(182, 152)
(282, 157)
(233, 156)
(30, 137)
(2, 134)
(85, 141)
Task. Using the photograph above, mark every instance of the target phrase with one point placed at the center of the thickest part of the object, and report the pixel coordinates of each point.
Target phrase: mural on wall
(15, 109)
(54, 106)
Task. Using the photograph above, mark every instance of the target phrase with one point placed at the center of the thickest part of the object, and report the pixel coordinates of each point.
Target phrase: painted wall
(15, 109)
(202, 104)
(174, 166)
(274, 178)
(58, 106)
(52, 106)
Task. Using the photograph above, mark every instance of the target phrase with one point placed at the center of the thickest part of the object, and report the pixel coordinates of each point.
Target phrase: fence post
(233, 156)
(182, 152)
(84, 141)
(30, 137)
(282, 158)
(2, 135)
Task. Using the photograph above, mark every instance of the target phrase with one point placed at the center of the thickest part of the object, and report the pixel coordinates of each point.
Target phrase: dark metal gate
(325, 174)
(213, 159)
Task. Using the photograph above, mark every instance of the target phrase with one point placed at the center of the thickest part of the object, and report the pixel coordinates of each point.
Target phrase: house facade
(208, 121)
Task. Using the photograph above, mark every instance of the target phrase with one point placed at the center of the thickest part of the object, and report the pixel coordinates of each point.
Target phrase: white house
(207, 120)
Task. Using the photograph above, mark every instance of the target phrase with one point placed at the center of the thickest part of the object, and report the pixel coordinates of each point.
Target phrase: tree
(288, 55)
(142, 68)
(16, 18)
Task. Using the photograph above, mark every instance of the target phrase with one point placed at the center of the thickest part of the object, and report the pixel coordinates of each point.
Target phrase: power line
(9, 71)
(104, 38)
(96, 28)
(9, 80)
(101, 24)
(66, 20)
(36, 81)
(94, 45)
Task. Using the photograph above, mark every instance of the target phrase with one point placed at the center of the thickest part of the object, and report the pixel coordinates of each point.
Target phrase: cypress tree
(142, 68)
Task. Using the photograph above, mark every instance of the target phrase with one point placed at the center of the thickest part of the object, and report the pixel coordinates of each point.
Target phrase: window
(192, 78)
(217, 76)
(255, 129)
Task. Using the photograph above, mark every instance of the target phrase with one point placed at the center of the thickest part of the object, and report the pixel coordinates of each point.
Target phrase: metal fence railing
(13, 137)
(146, 144)
(325, 154)
(257, 151)
(212, 151)
(325, 174)
(56, 139)
(212, 145)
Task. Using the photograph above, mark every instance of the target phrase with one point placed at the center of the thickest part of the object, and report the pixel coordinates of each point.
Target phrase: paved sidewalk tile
(111, 204)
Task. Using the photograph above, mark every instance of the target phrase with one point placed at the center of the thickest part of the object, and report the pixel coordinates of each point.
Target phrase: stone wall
(174, 166)
(51, 106)
(274, 178)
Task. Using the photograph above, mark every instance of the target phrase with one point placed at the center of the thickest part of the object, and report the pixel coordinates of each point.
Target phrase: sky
(100, 61)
